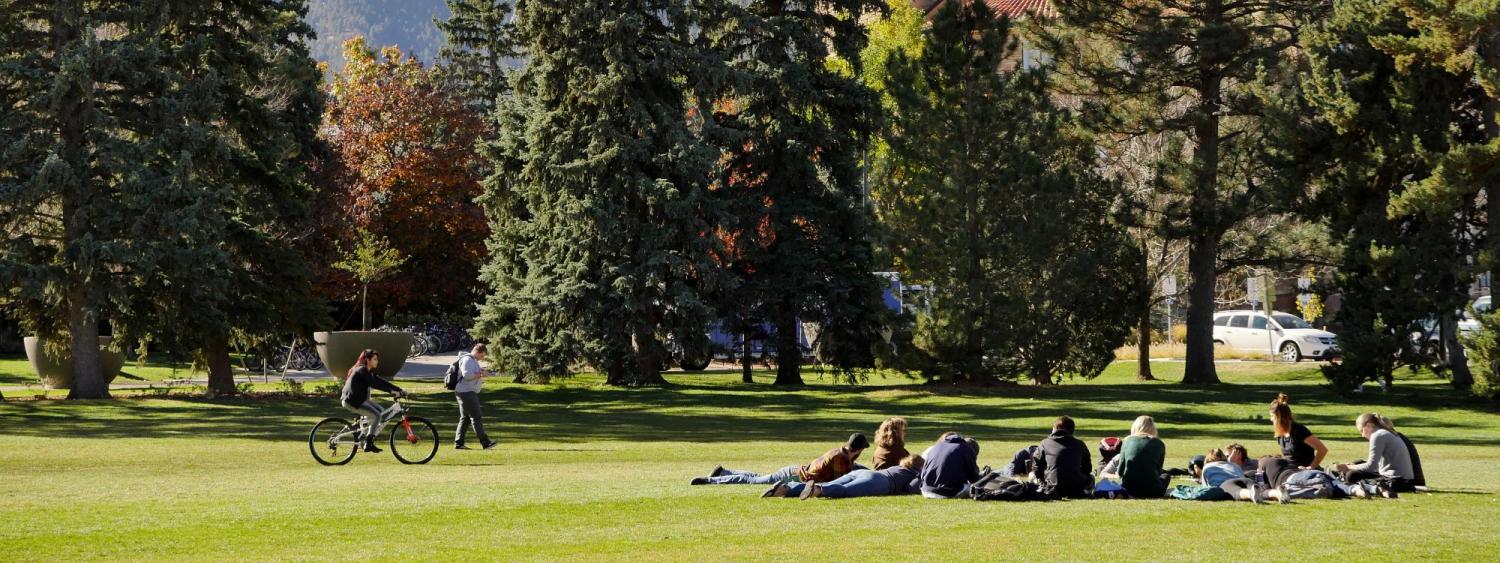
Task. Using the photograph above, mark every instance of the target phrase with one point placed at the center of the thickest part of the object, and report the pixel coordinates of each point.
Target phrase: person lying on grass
(832, 465)
(900, 479)
(1226, 470)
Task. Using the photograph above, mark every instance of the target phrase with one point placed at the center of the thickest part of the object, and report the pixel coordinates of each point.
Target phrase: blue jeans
(863, 483)
(734, 477)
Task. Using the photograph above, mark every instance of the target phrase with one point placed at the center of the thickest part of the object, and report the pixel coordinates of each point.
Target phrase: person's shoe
(1257, 494)
(460, 446)
(370, 447)
(1383, 488)
(778, 490)
(1283, 496)
(718, 471)
(490, 446)
(811, 491)
(699, 481)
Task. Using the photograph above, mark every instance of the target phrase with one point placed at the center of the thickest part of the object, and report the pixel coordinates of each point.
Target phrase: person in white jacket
(471, 379)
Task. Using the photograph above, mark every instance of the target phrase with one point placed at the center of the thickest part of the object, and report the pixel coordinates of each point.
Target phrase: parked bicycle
(414, 440)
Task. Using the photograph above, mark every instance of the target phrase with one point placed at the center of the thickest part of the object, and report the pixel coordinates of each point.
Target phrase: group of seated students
(1059, 467)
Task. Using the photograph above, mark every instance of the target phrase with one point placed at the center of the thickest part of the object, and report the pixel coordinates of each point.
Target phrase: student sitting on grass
(832, 465)
(952, 465)
(1062, 464)
(890, 443)
(1419, 478)
(1298, 444)
(1142, 456)
(900, 479)
(1388, 466)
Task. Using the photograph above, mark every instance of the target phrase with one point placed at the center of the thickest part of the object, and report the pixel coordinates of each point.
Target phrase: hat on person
(1109, 444)
(857, 441)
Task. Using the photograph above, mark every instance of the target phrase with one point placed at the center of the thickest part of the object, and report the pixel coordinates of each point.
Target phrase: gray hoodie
(468, 372)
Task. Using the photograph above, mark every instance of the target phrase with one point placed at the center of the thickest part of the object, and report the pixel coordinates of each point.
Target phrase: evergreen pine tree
(479, 49)
(1009, 222)
(598, 199)
(1366, 137)
(793, 194)
(1187, 69)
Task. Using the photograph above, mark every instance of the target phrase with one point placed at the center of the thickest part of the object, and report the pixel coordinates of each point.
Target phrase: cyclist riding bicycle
(356, 395)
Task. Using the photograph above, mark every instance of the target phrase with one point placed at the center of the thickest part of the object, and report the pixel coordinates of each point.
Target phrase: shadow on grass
(709, 411)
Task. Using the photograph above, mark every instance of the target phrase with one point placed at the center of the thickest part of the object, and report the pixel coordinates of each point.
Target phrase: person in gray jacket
(1388, 460)
(471, 379)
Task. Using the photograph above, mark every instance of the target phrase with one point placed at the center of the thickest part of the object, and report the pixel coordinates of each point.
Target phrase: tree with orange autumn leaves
(402, 166)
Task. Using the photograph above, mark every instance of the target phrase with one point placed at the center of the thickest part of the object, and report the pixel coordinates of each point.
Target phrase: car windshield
(1289, 321)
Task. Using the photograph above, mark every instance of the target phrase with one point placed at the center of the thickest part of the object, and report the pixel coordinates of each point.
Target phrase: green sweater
(1141, 462)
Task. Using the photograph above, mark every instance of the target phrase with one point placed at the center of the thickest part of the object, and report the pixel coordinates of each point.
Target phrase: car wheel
(1290, 353)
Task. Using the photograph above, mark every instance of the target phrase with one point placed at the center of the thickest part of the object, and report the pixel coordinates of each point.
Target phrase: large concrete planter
(339, 350)
(57, 371)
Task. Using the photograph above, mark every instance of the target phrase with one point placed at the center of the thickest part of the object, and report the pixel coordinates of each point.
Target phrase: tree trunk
(1143, 362)
(648, 358)
(83, 323)
(364, 307)
(747, 365)
(1203, 251)
(1453, 352)
(83, 350)
(788, 354)
(220, 373)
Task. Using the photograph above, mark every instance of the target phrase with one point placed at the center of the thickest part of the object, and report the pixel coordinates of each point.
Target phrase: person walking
(470, 381)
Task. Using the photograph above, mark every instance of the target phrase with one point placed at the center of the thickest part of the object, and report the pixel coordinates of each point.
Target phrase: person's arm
(469, 369)
(1039, 463)
(972, 468)
(381, 384)
(1371, 460)
(1111, 468)
(1320, 450)
(1088, 465)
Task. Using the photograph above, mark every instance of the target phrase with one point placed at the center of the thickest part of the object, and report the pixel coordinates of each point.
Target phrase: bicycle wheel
(416, 444)
(334, 441)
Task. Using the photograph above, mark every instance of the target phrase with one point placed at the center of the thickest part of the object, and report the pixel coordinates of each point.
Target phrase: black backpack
(451, 377)
(995, 487)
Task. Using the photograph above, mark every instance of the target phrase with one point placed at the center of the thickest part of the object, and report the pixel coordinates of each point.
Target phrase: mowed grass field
(586, 472)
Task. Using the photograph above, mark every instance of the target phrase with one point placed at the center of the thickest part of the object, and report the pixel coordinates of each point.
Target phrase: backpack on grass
(1310, 484)
(994, 487)
(451, 377)
(1199, 492)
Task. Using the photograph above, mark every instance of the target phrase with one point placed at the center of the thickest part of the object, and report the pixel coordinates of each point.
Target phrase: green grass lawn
(587, 472)
(16, 371)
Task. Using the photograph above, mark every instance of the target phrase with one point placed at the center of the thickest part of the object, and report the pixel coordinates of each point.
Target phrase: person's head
(1281, 415)
(913, 462)
(947, 435)
(1368, 423)
(892, 433)
(479, 351)
(1143, 426)
(368, 359)
(856, 444)
(972, 444)
(1238, 455)
(1214, 455)
(1064, 425)
(1385, 422)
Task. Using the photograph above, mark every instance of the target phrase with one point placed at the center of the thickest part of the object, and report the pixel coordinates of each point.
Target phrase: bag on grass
(1107, 489)
(1199, 492)
(1310, 484)
(451, 377)
(995, 487)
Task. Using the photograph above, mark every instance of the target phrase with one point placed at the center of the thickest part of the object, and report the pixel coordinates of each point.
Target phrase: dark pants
(1234, 486)
(1277, 469)
(468, 413)
(1398, 484)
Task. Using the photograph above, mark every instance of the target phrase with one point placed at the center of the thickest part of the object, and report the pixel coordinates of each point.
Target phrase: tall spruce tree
(479, 51)
(1009, 221)
(148, 152)
(598, 203)
(792, 191)
(1369, 136)
(1186, 68)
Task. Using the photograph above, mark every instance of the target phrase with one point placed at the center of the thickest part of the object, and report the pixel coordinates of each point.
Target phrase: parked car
(1427, 339)
(1286, 335)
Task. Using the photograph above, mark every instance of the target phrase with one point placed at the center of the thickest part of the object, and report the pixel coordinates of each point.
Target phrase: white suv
(1287, 335)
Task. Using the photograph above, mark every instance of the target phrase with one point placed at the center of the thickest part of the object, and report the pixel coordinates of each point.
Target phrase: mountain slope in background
(404, 23)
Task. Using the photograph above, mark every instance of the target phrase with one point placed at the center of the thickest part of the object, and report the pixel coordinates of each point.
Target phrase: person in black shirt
(1299, 446)
(356, 395)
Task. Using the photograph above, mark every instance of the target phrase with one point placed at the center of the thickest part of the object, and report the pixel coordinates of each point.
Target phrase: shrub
(1484, 355)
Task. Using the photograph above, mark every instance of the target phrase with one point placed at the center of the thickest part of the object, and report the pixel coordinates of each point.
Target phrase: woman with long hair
(1388, 466)
(1300, 449)
(890, 443)
(1142, 456)
(356, 395)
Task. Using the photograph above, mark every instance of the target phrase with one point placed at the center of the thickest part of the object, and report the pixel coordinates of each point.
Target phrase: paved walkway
(421, 367)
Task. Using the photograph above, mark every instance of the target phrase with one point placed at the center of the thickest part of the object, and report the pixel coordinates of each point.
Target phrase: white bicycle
(334, 441)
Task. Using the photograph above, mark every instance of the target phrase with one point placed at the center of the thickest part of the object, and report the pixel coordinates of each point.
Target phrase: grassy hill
(405, 23)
